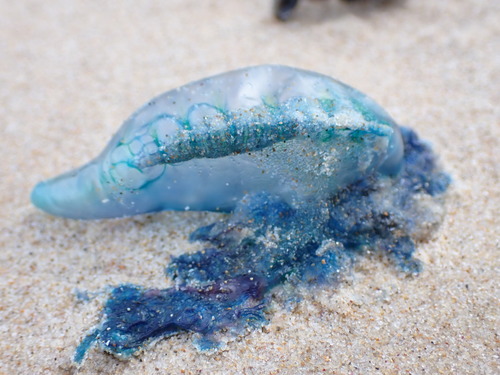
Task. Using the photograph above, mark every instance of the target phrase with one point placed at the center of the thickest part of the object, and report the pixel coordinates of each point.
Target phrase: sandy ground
(72, 71)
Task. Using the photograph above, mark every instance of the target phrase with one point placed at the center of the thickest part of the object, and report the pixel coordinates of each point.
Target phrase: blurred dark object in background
(283, 9)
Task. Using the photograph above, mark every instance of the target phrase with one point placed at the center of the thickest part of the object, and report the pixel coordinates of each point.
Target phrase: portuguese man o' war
(312, 172)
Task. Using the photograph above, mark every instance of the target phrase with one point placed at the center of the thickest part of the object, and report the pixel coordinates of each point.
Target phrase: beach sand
(72, 71)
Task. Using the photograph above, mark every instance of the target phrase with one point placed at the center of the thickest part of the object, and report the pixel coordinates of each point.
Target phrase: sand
(72, 71)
